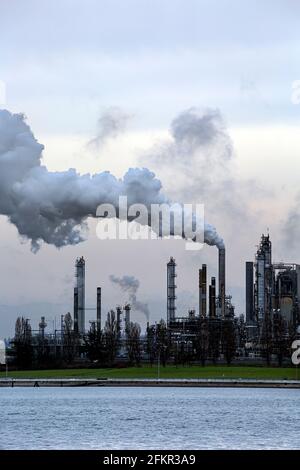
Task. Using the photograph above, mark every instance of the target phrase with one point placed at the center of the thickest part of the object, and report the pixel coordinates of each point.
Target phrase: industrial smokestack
(171, 287)
(222, 276)
(200, 293)
(80, 284)
(127, 309)
(98, 309)
(204, 290)
(75, 309)
(212, 298)
(119, 313)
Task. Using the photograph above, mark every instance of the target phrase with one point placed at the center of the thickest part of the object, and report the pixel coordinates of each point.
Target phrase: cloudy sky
(112, 84)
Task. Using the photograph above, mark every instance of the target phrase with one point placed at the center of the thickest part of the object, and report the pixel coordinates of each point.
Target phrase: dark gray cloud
(193, 130)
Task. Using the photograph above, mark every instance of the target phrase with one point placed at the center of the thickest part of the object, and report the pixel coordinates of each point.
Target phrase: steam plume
(130, 285)
(53, 207)
(111, 123)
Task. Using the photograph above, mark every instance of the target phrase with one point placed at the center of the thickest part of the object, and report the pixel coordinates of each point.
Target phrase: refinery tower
(79, 296)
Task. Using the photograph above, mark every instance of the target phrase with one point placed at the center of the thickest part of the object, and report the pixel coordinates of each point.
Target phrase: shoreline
(204, 383)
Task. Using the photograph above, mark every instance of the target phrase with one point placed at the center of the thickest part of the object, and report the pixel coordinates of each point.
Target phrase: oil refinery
(211, 332)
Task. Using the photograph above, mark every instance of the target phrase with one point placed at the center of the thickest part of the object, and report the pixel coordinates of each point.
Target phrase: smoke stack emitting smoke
(53, 207)
(130, 285)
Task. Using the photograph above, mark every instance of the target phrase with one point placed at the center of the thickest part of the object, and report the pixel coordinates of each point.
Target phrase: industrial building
(219, 306)
(79, 307)
(271, 287)
(210, 332)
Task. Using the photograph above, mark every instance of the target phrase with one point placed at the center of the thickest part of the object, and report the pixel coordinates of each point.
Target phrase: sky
(71, 65)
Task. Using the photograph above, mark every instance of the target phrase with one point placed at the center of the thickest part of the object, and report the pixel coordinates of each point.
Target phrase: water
(149, 418)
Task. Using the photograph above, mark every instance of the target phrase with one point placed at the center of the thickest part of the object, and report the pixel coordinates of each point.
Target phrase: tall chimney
(127, 316)
(119, 313)
(222, 280)
(98, 309)
(75, 309)
(200, 293)
(171, 288)
(204, 289)
(212, 298)
(80, 285)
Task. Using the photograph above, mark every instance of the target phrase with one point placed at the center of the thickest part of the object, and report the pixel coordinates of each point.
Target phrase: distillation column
(79, 291)
(171, 287)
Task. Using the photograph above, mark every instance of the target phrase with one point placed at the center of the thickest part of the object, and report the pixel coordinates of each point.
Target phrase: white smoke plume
(53, 207)
(130, 285)
(290, 229)
(112, 122)
(199, 154)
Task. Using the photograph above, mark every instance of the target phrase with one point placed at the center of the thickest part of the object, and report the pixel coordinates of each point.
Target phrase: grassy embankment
(169, 372)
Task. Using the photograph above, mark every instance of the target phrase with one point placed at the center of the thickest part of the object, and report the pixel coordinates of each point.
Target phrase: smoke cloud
(199, 154)
(290, 231)
(130, 285)
(53, 207)
(111, 123)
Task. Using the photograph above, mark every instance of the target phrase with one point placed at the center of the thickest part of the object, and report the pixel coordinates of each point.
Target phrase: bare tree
(280, 336)
(133, 343)
(22, 343)
(69, 339)
(111, 333)
(202, 341)
(266, 338)
(214, 330)
(151, 343)
(163, 342)
(95, 345)
(228, 339)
